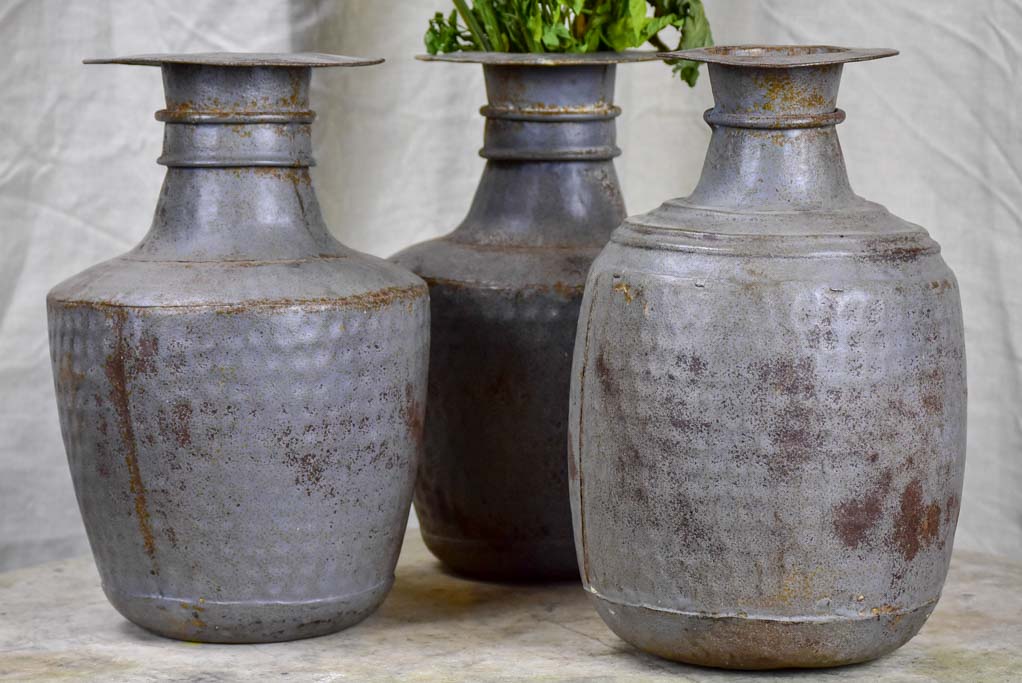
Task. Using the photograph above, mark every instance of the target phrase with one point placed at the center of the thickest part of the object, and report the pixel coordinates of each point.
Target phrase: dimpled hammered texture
(241, 397)
(768, 396)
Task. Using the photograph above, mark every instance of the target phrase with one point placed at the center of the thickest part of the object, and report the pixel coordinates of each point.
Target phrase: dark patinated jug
(492, 494)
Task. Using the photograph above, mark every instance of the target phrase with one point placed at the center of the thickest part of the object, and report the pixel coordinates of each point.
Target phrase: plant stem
(478, 34)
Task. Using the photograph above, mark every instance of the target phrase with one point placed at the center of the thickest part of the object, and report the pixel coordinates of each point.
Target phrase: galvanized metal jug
(505, 286)
(768, 396)
(241, 396)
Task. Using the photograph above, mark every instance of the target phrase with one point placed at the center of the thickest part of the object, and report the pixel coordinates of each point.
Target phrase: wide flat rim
(546, 58)
(781, 56)
(240, 59)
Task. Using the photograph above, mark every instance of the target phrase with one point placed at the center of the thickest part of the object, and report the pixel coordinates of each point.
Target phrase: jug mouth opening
(773, 50)
(781, 56)
(545, 59)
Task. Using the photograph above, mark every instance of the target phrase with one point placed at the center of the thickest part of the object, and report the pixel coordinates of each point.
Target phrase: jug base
(209, 621)
(510, 560)
(756, 643)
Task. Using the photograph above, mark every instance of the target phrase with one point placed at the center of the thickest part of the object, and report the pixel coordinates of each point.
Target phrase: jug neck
(549, 142)
(774, 144)
(237, 144)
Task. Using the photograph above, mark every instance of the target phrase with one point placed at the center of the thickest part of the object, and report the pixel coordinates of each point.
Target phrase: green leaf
(443, 34)
(569, 26)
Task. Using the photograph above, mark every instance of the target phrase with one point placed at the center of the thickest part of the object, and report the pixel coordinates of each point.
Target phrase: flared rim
(781, 56)
(546, 58)
(241, 59)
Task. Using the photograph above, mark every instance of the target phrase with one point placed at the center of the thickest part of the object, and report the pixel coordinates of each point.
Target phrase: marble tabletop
(55, 624)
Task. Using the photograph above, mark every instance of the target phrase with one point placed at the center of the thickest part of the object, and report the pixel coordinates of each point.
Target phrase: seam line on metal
(183, 162)
(816, 619)
(265, 603)
(199, 117)
(637, 243)
(773, 122)
(571, 154)
(549, 115)
(343, 302)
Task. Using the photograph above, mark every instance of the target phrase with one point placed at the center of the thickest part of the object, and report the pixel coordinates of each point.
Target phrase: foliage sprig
(570, 26)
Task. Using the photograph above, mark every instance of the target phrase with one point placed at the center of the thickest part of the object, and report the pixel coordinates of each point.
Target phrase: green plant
(570, 26)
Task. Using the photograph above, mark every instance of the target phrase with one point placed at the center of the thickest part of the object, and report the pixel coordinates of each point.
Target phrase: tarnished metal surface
(311, 60)
(506, 287)
(780, 56)
(768, 402)
(241, 396)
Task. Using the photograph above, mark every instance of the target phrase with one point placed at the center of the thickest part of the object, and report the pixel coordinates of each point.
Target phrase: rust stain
(853, 519)
(605, 375)
(310, 458)
(933, 404)
(176, 426)
(931, 385)
(182, 420)
(376, 300)
(294, 99)
(568, 291)
(883, 610)
(414, 416)
(693, 363)
(69, 380)
(119, 370)
(296, 175)
(917, 524)
(628, 292)
(781, 93)
(793, 378)
(951, 510)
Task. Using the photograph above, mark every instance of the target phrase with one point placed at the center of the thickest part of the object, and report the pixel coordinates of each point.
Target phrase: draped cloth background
(935, 134)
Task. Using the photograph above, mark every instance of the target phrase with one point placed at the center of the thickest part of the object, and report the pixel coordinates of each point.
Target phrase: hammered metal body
(492, 493)
(241, 396)
(768, 398)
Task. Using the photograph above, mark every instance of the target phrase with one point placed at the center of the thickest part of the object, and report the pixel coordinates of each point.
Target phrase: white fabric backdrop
(935, 134)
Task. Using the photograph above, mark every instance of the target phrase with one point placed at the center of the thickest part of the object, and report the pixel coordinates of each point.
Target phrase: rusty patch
(606, 375)
(931, 384)
(370, 300)
(119, 372)
(693, 363)
(789, 377)
(376, 300)
(933, 404)
(414, 415)
(568, 291)
(627, 290)
(69, 380)
(917, 524)
(782, 94)
(853, 519)
(296, 175)
(794, 436)
(310, 455)
(951, 510)
(171, 535)
(176, 426)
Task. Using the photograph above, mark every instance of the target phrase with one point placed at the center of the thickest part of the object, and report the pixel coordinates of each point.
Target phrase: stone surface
(56, 624)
